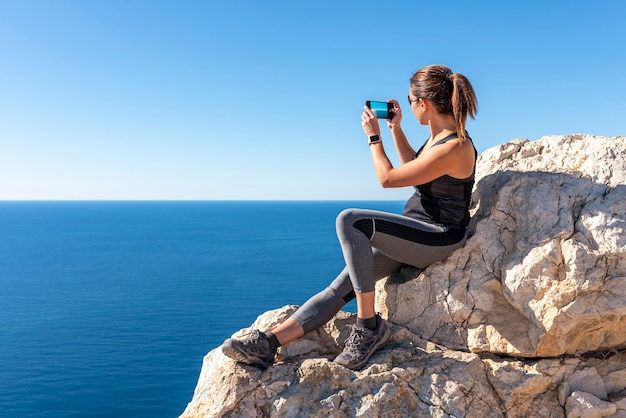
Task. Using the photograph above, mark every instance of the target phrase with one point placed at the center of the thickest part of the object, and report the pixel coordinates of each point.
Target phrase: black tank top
(445, 200)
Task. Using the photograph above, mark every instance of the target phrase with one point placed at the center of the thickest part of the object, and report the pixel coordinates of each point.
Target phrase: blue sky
(262, 100)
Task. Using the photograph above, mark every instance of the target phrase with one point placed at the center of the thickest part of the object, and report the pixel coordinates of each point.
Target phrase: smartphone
(382, 110)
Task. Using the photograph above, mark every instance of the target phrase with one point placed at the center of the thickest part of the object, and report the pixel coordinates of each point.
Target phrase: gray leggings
(376, 244)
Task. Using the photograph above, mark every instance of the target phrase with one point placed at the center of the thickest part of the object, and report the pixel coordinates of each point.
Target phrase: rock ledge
(527, 319)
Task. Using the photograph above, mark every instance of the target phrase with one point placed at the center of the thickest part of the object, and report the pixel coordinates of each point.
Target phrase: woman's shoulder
(453, 145)
(463, 158)
(455, 155)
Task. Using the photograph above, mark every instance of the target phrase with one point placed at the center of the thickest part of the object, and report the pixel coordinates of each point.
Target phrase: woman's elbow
(389, 182)
(386, 182)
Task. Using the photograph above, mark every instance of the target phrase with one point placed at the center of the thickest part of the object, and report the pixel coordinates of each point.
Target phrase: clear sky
(148, 99)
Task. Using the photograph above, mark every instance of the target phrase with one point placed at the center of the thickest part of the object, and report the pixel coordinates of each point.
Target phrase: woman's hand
(397, 115)
(369, 122)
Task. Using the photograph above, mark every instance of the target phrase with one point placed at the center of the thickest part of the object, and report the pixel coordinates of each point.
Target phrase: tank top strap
(453, 135)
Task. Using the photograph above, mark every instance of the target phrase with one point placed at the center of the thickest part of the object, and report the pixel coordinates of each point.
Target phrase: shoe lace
(355, 338)
(255, 343)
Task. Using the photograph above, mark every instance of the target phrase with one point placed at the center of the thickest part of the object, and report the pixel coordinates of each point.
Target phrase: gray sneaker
(254, 350)
(362, 343)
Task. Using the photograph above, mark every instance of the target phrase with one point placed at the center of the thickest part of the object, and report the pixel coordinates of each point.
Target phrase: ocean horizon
(110, 306)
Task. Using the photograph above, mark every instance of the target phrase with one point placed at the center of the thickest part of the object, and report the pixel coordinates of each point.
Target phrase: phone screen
(380, 109)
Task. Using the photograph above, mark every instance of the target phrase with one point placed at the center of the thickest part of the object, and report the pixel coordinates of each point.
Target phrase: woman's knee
(345, 218)
(353, 218)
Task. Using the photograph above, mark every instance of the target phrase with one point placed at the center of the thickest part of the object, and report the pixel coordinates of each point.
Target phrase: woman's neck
(441, 126)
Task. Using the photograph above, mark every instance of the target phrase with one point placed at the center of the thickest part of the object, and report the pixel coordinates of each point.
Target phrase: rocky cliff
(528, 319)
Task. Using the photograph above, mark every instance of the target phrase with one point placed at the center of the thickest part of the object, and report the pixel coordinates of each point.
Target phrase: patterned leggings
(376, 244)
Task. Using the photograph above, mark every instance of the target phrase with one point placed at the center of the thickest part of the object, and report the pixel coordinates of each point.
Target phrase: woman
(376, 244)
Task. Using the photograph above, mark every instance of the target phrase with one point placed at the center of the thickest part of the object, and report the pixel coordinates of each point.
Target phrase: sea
(107, 308)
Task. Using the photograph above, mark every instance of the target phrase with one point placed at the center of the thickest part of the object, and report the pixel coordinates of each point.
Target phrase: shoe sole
(231, 350)
(380, 343)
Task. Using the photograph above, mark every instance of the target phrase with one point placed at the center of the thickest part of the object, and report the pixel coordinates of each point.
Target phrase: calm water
(108, 307)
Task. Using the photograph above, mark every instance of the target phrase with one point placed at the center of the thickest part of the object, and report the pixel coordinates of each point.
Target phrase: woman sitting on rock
(376, 244)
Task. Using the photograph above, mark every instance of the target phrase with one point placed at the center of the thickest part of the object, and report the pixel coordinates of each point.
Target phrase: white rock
(542, 282)
(585, 405)
(545, 272)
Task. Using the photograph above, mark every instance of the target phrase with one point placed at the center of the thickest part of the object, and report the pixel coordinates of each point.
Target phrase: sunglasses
(411, 101)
